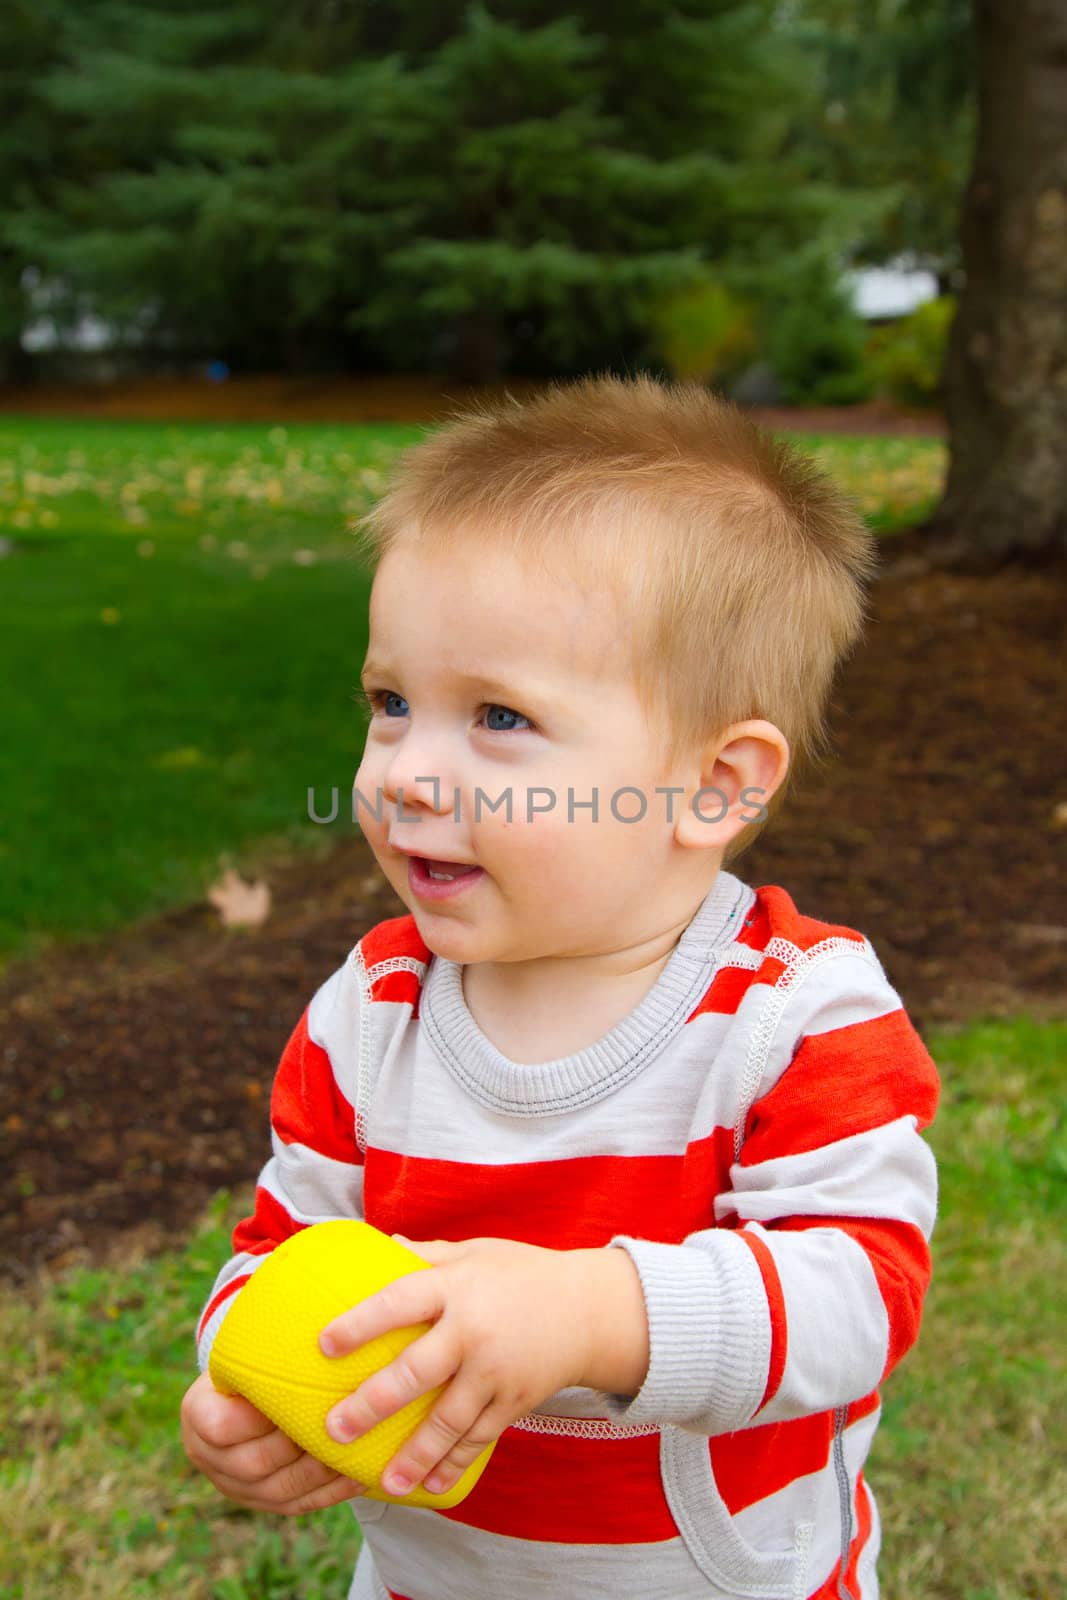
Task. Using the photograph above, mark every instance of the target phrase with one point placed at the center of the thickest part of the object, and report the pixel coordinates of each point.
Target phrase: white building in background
(881, 293)
(89, 333)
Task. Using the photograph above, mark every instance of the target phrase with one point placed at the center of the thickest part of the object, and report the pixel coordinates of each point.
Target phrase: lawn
(97, 1499)
(185, 623)
(185, 620)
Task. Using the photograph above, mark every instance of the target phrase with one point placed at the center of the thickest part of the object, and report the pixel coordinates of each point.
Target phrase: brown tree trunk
(1006, 373)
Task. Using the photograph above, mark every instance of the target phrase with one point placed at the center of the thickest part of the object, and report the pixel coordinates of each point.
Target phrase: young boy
(655, 1131)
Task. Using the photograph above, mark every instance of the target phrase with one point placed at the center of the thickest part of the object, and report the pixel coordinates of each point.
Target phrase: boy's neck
(539, 1010)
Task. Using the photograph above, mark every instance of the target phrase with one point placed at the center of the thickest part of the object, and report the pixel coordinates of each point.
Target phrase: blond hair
(740, 566)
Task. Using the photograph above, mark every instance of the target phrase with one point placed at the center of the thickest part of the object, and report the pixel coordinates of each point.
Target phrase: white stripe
(692, 1088)
(837, 1325)
(430, 1557)
(885, 1172)
(312, 1187)
(333, 1024)
(681, 1096)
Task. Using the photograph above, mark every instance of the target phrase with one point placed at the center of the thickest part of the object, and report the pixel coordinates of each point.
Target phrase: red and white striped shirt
(749, 1133)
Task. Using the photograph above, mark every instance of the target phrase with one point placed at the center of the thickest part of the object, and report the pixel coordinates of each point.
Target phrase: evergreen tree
(29, 150)
(892, 115)
(325, 185)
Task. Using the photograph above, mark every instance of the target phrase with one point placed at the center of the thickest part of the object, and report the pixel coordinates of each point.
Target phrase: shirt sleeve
(809, 1289)
(315, 1172)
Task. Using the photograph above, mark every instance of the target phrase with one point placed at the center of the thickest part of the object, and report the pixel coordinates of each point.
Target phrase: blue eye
(509, 727)
(393, 705)
(374, 700)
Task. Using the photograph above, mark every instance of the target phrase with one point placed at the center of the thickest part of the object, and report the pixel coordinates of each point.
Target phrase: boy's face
(489, 675)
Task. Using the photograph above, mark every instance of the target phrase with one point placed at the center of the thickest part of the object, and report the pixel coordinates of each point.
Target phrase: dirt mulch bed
(380, 397)
(137, 1071)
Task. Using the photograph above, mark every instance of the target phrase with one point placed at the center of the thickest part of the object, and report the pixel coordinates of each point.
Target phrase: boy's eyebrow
(373, 669)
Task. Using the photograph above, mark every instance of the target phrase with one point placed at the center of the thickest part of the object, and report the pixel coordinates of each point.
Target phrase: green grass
(184, 621)
(98, 1501)
(894, 482)
(176, 682)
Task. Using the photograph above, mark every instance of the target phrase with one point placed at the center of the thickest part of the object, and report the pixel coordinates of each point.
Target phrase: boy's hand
(250, 1460)
(510, 1328)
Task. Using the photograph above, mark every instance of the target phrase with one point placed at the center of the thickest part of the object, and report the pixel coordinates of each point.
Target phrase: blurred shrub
(704, 332)
(814, 340)
(906, 359)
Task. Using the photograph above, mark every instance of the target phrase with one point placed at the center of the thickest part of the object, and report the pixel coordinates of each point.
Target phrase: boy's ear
(733, 779)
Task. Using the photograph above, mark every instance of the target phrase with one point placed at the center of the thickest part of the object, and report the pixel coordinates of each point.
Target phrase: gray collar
(537, 1088)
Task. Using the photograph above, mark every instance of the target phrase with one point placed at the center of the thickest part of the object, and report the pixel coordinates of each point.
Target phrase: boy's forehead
(484, 606)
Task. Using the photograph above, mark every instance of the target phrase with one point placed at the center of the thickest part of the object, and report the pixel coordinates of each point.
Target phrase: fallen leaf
(186, 755)
(238, 903)
(1039, 932)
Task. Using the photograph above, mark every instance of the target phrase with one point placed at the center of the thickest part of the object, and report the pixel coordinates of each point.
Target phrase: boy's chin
(463, 943)
(449, 937)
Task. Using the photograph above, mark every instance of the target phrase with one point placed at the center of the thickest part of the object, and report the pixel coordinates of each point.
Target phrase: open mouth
(444, 869)
(438, 879)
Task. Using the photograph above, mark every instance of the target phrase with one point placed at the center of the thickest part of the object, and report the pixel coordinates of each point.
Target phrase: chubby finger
(250, 1461)
(309, 1486)
(221, 1419)
(289, 1481)
(306, 1485)
(256, 1460)
(448, 1472)
(334, 1493)
(421, 1366)
(456, 1431)
(414, 1297)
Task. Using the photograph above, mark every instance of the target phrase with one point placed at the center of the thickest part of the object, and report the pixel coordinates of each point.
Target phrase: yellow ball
(268, 1351)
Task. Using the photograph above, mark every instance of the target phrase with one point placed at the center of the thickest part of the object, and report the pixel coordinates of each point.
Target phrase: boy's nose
(415, 786)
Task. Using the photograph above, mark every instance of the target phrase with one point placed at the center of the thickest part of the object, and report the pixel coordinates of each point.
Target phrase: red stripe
(396, 936)
(772, 1286)
(900, 1257)
(725, 992)
(401, 988)
(268, 1225)
(213, 1305)
(563, 1204)
(777, 916)
(306, 1106)
(570, 1491)
(843, 1082)
(755, 1462)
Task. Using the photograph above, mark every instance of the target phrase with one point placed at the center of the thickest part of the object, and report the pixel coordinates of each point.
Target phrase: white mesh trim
(367, 976)
(798, 964)
(581, 1427)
